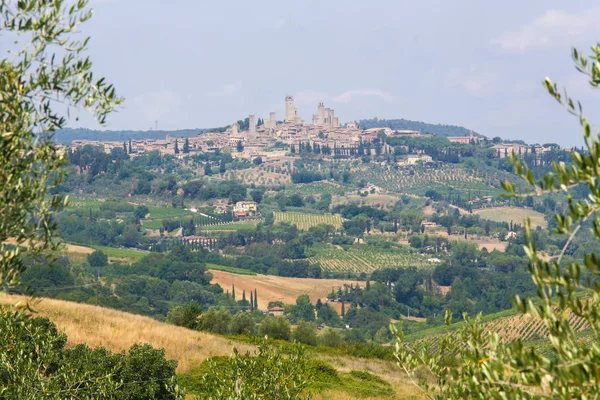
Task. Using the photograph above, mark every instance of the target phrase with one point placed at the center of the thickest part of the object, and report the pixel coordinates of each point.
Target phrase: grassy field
(122, 254)
(228, 227)
(79, 253)
(306, 220)
(117, 331)
(232, 270)
(514, 214)
(76, 203)
(365, 258)
(167, 212)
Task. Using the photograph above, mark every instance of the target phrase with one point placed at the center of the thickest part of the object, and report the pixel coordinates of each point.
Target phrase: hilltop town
(272, 139)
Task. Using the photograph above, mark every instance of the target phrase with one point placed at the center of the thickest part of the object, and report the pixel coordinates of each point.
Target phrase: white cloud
(348, 95)
(154, 106)
(474, 81)
(553, 28)
(232, 88)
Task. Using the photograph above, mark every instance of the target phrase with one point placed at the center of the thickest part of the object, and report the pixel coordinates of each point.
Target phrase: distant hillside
(423, 127)
(68, 135)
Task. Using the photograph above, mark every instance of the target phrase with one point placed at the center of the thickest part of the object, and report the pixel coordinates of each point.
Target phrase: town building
(245, 209)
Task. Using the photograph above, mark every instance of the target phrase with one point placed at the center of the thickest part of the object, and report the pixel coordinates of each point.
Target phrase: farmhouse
(413, 159)
(245, 208)
(428, 225)
(276, 311)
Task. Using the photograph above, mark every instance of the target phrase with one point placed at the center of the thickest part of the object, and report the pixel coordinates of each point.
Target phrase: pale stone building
(325, 116)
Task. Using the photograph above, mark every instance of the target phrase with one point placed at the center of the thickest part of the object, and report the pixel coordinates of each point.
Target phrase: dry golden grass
(117, 331)
(277, 288)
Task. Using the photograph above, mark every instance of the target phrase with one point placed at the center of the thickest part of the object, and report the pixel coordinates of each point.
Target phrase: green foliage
(97, 259)
(331, 338)
(242, 324)
(268, 374)
(36, 365)
(306, 333)
(275, 328)
(49, 64)
(141, 212)
(215, 321)
(476, 364)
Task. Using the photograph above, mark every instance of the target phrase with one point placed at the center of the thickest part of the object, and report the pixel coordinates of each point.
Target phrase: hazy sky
(200, 64)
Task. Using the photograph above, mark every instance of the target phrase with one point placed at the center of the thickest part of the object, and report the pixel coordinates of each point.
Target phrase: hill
(117, 331)
(68, 135)
(508, 324)
(423, 127)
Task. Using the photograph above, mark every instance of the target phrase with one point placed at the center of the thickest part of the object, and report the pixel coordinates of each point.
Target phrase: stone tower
(290, 111)
(252, 127)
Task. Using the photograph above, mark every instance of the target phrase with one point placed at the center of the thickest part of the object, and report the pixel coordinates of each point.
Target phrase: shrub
(97, 259)
(306, 333)
(268, 374)
(275, 328)
(242, 324)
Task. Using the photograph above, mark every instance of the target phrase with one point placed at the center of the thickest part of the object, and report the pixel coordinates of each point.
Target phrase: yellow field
(306, 220)
(278, 288)
(117, 331)
(515, 214)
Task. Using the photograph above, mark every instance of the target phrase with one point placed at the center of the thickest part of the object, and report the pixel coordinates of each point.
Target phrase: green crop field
(227, 227)
(114, 252)
(167, 212)
(514, 214)
(365, 258)
(233, 270)
(306, 220)
(82, 203)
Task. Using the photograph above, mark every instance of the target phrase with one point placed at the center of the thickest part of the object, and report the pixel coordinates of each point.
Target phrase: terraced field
(508, 325)
(417, 180)
(365, 258)
(306, 220)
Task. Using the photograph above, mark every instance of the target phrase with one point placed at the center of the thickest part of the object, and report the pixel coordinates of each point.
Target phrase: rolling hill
(117, 331)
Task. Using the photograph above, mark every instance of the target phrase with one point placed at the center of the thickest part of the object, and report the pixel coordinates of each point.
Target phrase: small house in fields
(245, 208)
(276, 311)
(428, 225)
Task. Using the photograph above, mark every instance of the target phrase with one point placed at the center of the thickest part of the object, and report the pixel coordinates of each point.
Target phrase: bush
(242, 324)
(41, 367)
(267, 375)
(306, 333)
(275, 328)
(97, 259)
(331, 338)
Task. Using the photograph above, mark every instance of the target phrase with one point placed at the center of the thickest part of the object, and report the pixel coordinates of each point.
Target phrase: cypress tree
(343, 310)
(251, 302)
(233, 291)
(176, 147)
(244, 296)
(255, 300)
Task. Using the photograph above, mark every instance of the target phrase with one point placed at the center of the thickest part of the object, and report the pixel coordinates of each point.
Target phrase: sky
(478, 64)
